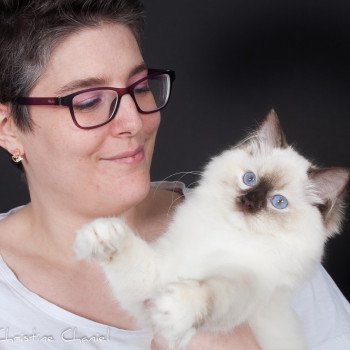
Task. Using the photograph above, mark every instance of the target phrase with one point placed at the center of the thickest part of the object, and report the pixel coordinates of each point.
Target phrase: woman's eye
(249, 178)
(142, 87)
(87, 104)
(279, 201)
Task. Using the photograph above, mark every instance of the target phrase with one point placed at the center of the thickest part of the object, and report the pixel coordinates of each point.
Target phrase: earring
(16, 156)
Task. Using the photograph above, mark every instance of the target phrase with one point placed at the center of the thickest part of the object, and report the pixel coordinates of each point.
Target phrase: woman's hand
(240, 338)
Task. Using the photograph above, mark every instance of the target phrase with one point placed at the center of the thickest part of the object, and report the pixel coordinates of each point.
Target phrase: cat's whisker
(182, 173)
(192, 183)
(188, 186)
(251, 136)
(198, 173)
(174, 201)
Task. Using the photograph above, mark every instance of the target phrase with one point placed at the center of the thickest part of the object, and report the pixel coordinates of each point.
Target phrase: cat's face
(265, 186)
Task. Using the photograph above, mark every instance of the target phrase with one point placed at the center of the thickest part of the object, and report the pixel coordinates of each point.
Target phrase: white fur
(217, 267)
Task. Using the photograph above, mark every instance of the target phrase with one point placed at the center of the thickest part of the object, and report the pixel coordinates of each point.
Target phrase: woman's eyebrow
(94, 81)
(138, 69)
(80, 84)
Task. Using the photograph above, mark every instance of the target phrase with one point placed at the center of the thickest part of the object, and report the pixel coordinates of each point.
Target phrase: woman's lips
(128, 157)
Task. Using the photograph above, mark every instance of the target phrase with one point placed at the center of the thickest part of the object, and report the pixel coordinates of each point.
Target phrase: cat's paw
(178, 310)
(101, 239)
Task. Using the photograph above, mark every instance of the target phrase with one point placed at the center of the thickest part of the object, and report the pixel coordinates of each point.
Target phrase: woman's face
(92, 172)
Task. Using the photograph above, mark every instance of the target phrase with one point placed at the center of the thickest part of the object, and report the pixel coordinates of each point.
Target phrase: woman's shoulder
(324, 311)
(8, 222)
(12, 212)
(12, 227)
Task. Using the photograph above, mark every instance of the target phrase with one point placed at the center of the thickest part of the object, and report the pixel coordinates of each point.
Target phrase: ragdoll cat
(238, 246)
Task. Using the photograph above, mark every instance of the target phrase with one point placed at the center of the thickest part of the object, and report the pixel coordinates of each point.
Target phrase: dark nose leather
(252, 202)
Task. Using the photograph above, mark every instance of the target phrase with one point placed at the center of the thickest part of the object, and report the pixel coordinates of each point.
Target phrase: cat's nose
(251, 202)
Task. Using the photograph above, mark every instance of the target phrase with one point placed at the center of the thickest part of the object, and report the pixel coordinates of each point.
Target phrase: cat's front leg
(129, 262)
(102, 239)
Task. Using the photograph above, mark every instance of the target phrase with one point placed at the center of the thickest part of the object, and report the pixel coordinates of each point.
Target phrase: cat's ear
(270, 132)
(330, 186)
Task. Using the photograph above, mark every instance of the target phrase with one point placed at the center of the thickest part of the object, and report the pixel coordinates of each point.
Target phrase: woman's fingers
(241, 338)
(159, 343)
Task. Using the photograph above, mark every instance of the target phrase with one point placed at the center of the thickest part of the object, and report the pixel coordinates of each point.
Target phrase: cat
(237, 248)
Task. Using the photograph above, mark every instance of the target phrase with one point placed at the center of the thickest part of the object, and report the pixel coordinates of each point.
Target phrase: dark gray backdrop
(234, 60)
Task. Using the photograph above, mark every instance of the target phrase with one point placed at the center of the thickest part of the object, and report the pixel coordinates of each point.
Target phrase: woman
(80, 165)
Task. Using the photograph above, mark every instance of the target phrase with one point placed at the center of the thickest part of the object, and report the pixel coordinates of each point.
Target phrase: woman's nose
(128, 120)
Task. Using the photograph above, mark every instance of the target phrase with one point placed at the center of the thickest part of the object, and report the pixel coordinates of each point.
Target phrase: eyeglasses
(95, 107)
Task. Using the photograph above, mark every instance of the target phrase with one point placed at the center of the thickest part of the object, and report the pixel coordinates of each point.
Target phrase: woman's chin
(126, 195)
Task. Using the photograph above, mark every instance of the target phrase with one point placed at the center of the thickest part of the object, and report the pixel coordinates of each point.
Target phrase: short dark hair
(30, 29)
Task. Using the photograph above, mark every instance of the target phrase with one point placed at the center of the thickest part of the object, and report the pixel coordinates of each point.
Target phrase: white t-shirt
(28, 321)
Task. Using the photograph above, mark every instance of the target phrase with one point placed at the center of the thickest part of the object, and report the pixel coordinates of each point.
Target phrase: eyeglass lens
(98, 106)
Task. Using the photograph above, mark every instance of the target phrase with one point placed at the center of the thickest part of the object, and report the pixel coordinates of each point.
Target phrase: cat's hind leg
(215, 304)
(178, 309)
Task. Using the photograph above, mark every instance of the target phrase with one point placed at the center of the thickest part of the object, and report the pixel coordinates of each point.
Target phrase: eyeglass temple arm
(39, 101)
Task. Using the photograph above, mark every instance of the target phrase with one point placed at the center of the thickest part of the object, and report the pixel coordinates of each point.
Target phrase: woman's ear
(9, 132)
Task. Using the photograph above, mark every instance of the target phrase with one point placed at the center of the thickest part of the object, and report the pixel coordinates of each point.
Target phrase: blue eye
(279, 201)
(249, 178)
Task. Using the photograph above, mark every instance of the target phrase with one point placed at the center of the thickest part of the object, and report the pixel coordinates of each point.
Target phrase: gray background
(234, 60)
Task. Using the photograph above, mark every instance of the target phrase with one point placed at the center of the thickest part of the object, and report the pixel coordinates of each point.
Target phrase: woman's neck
(49, 232)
